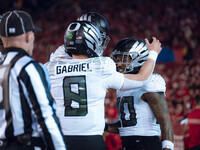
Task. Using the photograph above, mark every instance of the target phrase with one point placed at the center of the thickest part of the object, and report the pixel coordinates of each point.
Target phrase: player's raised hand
(155, 45)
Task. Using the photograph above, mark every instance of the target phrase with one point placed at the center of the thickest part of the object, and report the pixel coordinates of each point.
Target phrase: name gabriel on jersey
(73, 68)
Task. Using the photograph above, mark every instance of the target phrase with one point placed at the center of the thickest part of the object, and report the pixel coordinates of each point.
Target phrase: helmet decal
(101, 23)
(83, 37)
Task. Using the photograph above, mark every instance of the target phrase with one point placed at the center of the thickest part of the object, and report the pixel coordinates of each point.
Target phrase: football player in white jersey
(99, 21)
(79, 84)
(143, 112)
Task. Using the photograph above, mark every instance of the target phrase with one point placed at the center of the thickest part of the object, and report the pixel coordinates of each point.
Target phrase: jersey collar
(14, 49)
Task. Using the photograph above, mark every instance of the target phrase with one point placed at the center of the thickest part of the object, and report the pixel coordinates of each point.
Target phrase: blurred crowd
(174, 23)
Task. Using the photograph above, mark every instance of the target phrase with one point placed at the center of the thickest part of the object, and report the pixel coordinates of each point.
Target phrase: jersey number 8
(74, 88)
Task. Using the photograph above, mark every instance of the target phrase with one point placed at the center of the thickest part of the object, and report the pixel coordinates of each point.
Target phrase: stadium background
(175, 23)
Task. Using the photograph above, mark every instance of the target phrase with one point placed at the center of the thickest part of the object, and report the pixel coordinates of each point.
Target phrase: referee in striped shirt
(27, 113)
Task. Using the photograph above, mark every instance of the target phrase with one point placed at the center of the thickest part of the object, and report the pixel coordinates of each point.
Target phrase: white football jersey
(79, 87)
(135, 115)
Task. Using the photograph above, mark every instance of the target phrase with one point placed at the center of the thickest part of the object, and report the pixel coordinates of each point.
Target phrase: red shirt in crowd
(194, 127)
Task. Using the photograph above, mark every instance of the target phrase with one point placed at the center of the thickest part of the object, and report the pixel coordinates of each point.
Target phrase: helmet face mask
(124, 61)
(131, 54)
(101, 23)
(83, 38)
(106, 40)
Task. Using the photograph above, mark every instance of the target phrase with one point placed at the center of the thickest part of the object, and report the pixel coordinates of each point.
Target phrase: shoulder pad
(155, 83)
(105, 65)
(109, 65)
(59, 52)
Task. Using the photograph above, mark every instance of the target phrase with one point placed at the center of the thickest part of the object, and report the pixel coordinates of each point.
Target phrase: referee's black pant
(15, 144)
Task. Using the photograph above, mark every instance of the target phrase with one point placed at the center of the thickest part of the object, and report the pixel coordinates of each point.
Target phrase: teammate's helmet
(101, 23)
(83, 37)
(135, 49)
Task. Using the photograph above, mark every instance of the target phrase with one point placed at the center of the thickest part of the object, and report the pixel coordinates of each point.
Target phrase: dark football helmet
(101, 23)
(131, 48)
(83, 37)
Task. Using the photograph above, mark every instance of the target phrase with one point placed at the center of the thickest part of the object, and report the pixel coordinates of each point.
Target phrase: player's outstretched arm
(148, 67)
(159, 107)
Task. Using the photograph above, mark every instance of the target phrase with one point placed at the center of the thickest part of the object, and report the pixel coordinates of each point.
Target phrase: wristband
(167, 144)
(153, 55)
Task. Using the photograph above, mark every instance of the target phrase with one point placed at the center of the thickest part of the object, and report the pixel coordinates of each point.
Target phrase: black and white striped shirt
(26, 105)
